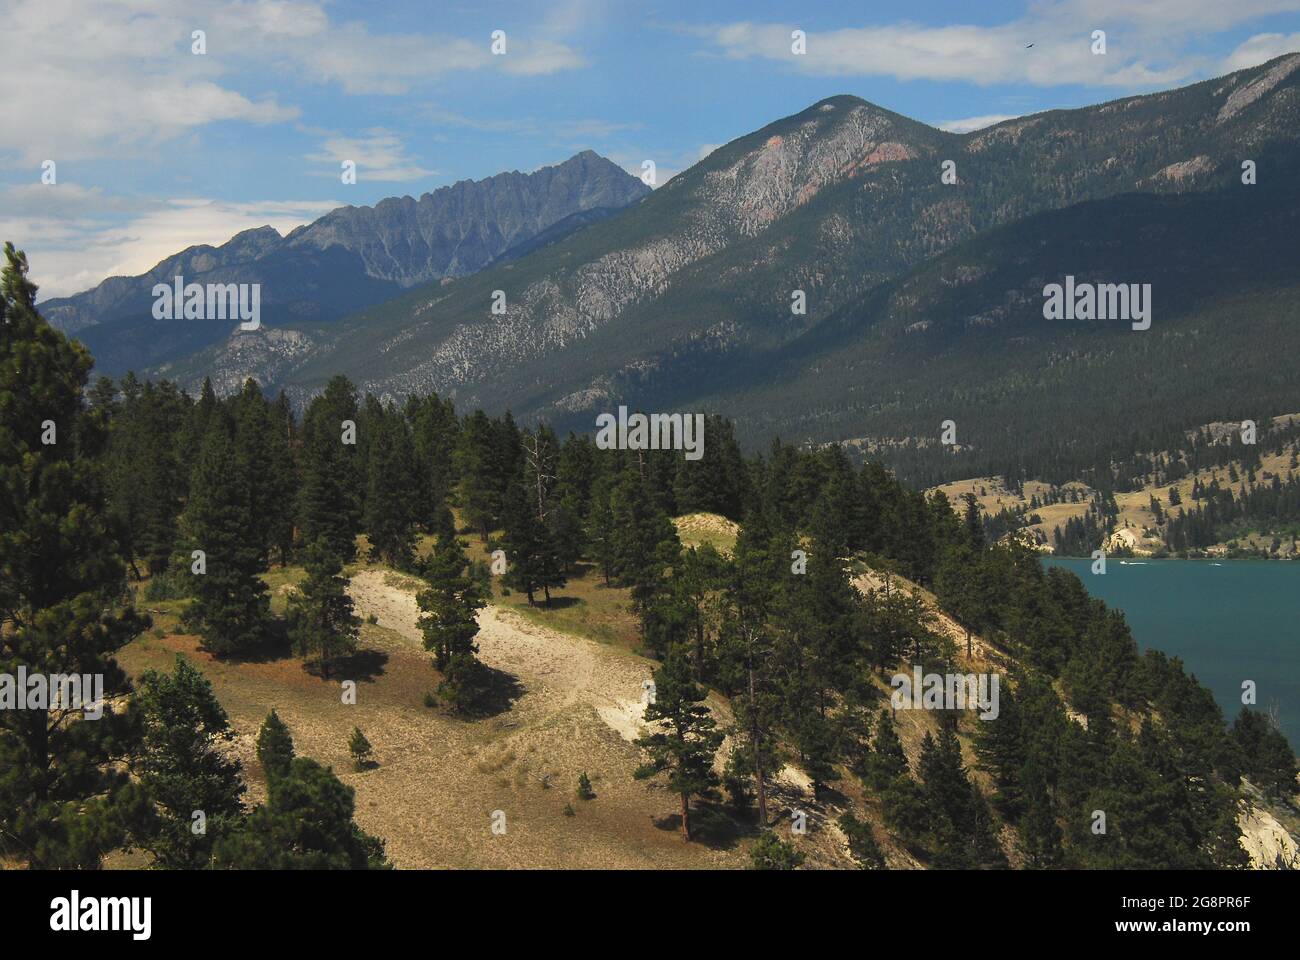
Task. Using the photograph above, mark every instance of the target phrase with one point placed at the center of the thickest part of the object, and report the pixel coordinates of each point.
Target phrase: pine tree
(162, 483)
(645, 543)
(1000, 747)
(183, 768)
(306, 824)
(962, 586)
(62, 797)
(962, 825)
(360, 749)
(1040, 835)
(907, 811)
(1268, 759)
(815, 617)
(260, 452)
(392, 491)
(449, 622)
(231, 607)
(435, 432)
(887, 761)
(715, 483)
(601, 527)
(478, 466)
(748, 652)
(274, 747)
(683, 748)
(321, 619)
(542, 555)
(696, 580)
(329, 500)
(972, 524)
(769, 852)
(145, 482)
(862, 842)
(283, 483)
(577, 468)
(195, 427)
(534, 562)
(564, 528)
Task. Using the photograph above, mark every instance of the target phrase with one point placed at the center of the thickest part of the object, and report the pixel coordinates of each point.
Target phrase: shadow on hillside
(498, 692)
(712, 826)
(557, 603)
(360, 665)
(273, 646)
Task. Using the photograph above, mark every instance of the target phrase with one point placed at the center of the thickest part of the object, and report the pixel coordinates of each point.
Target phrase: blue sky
(157, 148)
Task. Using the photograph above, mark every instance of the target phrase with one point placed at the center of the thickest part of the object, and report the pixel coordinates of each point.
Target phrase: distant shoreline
(1114, 557)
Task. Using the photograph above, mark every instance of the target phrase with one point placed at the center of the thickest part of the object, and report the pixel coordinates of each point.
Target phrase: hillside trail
(982, 654)
(557, 670)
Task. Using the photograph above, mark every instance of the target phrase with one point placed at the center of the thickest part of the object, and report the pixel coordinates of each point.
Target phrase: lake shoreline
(1230, 622)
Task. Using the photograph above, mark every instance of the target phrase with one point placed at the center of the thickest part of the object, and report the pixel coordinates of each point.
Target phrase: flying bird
(1028, 45)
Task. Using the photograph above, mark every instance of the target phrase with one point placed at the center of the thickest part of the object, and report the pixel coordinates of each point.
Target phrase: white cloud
(1147, 44)
(117, 77)
(63, 201)
(110, 78)
(78, 237)
(968, 124)
(1260, 48)
(1171, 16)
(982, 55)
(379, 155)
(585, 129)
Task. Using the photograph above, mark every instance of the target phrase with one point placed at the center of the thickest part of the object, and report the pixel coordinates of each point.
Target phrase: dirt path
(442, 781)
(557, 670)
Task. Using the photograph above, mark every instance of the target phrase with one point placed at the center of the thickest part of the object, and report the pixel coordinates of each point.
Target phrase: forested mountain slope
(685, 300)
(349, 258)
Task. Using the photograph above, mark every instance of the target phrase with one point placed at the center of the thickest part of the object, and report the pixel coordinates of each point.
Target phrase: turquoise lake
(1229, 621)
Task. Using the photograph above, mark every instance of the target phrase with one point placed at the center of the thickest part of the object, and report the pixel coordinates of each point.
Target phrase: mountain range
(350, 258)
(923, 293)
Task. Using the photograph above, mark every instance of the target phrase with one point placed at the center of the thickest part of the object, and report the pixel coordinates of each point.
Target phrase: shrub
(359, 747)
(771, 853)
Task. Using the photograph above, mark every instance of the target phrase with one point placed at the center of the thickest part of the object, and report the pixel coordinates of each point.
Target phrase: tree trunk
(758, 753)
(968, 643)
(686, 816)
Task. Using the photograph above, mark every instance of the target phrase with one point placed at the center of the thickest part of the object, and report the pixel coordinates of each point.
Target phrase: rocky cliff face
(119, 295)
(356, 256)
(460, 229)
(589, 285)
